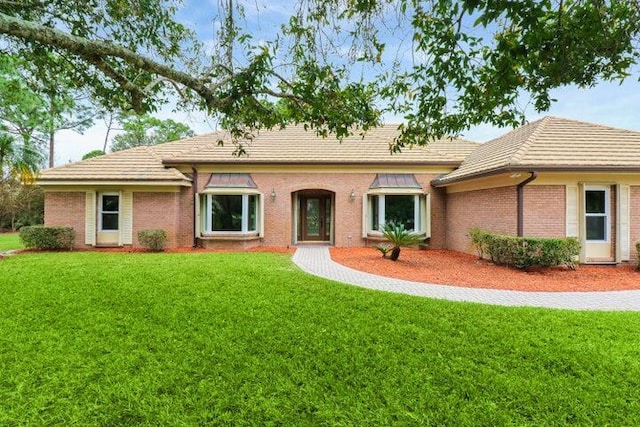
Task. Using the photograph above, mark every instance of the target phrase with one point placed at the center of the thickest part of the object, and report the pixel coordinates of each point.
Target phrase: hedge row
(525, 252)
(41, 237)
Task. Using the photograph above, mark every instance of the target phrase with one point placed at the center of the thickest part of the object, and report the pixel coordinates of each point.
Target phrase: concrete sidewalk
(317, 261)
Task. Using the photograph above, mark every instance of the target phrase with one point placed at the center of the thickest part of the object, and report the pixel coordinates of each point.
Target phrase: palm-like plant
(18, 160)
(398, 236)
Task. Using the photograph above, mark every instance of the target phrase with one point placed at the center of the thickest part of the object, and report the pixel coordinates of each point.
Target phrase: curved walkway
(317, 261)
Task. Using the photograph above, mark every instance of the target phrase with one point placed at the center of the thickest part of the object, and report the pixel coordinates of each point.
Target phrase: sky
(608, 103)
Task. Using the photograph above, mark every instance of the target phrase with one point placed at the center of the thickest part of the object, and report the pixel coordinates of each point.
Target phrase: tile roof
(553, 143)
(136, 164)
(292, 145)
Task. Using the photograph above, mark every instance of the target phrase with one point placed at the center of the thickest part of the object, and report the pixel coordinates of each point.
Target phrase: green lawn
(10, 241)
(247, 339)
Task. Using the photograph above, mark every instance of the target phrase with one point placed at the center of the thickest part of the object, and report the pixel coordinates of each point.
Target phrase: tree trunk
(51, 127)
(395, 253)
(51, 148)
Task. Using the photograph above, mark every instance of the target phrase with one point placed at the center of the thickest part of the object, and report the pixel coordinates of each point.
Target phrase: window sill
(230, 236)
(378, 236)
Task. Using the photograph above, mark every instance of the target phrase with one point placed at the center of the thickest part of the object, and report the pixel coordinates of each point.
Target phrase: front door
(315, 218)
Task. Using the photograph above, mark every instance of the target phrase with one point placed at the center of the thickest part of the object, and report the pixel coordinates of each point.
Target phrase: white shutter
(365, 214)
(126, 217)
(197, 219)
(622, 223)
(572, 210)
(261, 216)
(90, 218)
(427, 216)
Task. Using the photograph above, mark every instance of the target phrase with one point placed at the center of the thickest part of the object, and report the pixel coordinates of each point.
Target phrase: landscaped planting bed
(459, 269)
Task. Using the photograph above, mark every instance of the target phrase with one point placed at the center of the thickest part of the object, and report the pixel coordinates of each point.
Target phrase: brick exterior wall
(545, 210)
(185, 217)
(157, 211)
(278, 213)
(635, 221)
(491, 209)
(66, 209)
(452, 215)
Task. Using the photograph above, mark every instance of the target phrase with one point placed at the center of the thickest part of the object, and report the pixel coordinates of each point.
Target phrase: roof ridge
(151, 149)
(539, 124)
(196, 145)
(597, 125)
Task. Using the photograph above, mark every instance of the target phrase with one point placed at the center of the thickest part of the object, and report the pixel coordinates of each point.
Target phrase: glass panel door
(312, 218)
(315, 218)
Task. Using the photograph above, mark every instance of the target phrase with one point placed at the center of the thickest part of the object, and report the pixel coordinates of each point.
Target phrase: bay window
(406, 209)
(230, 213)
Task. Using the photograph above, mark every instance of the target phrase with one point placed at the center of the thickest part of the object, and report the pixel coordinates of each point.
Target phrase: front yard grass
(247, 339)
(10, 241)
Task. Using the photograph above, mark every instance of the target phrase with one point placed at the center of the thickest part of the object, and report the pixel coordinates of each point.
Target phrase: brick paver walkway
(317, 261)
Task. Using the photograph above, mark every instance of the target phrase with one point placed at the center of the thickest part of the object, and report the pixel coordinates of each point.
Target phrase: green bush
(153, 240)
(525, 252)
(41, 237)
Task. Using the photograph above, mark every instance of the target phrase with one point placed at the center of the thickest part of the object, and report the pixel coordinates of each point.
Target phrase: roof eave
(189, 163)
(443, 182)
(103, 182)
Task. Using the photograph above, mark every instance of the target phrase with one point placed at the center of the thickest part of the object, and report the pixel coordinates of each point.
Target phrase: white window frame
(101, 212)
(419, 210)
(206, 210)
(606, 214)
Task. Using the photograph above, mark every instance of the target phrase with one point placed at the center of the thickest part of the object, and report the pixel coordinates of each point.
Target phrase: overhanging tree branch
(90, 50)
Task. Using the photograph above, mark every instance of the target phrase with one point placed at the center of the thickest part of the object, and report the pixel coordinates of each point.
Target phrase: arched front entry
(314, 216)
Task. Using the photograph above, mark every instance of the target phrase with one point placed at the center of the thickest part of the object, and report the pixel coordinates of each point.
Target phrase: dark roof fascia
(443, 182)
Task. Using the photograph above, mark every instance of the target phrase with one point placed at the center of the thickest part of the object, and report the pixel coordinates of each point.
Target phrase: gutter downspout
(520, 193)
(195, 214)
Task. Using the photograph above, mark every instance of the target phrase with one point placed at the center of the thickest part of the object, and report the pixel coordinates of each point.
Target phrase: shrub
(398, 236)
(525, 252)
(153, 240)
(41, 237)
(384, 249)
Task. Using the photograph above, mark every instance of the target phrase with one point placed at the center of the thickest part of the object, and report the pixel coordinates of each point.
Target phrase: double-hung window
(596, 203)
(109, 211)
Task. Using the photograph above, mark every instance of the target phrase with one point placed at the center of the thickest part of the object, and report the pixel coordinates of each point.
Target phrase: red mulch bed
(460, 269)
